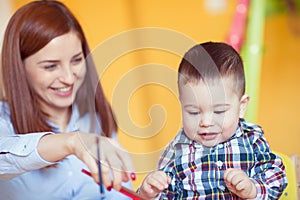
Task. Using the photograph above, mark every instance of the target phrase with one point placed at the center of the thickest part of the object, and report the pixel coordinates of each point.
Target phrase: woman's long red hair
(29, 30)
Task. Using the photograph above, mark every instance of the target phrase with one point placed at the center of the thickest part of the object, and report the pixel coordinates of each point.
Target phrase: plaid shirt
(197, 171)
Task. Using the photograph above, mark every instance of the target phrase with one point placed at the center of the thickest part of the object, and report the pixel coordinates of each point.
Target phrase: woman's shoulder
(5, 121)
(4, 110)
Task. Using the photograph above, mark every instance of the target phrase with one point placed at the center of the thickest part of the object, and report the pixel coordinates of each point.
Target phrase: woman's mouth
(63, 91)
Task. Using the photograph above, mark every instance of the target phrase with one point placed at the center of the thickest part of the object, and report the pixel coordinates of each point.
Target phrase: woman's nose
(67, 75)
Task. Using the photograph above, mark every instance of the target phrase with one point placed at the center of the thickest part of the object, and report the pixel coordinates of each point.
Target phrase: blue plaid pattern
(197, 171)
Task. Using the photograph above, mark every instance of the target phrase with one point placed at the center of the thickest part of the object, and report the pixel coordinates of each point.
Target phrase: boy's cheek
(190, 124)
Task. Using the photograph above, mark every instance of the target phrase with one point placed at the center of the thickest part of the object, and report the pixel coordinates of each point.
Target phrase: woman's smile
(63, 91)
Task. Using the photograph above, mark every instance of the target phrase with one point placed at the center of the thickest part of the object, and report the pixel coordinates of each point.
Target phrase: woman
(52, 102)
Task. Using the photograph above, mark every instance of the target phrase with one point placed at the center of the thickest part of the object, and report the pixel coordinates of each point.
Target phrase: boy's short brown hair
(211, 61)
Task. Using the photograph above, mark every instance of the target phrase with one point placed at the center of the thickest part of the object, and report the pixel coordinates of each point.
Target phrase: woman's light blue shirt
(23, 174)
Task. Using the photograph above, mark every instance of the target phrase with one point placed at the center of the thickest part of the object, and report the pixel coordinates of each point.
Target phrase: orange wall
(145, 129)
(279, 92)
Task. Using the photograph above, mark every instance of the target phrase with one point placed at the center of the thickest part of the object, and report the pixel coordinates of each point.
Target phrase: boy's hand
(239, 183)
(154, 183)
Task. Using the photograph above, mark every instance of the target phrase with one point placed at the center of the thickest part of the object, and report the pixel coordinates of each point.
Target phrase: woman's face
(57, 71)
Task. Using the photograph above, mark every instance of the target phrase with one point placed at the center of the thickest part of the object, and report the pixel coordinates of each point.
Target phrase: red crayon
(123, 190)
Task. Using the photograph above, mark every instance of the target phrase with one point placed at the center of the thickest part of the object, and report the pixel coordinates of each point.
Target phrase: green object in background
(275, 7)
(251, 53)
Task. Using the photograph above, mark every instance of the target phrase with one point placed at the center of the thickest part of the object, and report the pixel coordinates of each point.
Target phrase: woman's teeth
(65, 89)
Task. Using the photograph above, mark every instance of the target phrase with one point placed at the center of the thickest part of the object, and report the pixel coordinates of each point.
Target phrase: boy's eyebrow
(221, 104)
(215, 105)
(55, 61)
(190, 105)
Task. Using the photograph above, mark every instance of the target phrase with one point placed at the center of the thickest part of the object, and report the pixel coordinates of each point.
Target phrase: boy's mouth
(208, 135)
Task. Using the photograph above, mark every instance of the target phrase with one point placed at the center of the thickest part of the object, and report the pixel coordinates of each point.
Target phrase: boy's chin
(210, 143)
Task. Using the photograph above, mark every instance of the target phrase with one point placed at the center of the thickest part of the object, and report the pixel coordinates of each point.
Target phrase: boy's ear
(243, 104)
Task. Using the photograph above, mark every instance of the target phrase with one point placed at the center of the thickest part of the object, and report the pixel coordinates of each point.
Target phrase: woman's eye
(50, 67)
(77, 61)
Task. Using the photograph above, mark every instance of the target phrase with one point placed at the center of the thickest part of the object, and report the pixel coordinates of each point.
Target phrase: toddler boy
(217, 154)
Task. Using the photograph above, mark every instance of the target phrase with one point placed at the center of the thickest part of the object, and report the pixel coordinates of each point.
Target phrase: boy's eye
(193, 112)
(219, 111)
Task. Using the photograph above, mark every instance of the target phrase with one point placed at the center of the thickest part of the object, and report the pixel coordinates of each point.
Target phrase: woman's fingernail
(109, 188)
(133, 176)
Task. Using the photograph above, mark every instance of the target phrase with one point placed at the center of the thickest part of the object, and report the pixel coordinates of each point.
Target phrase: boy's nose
(206, 120)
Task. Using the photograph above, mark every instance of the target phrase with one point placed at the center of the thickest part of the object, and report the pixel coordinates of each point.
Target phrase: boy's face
(210, 112)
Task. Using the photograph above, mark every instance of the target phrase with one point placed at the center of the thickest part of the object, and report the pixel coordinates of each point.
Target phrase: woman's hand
(115, 160)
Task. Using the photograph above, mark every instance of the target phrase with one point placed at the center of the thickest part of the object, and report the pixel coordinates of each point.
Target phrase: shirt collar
(72, 125)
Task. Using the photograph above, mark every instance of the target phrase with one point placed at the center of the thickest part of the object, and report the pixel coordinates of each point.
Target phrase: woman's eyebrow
(48, 61)
(78, 54)
(55, 61)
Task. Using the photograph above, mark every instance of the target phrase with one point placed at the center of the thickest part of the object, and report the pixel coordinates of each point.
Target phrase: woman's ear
(243, 105)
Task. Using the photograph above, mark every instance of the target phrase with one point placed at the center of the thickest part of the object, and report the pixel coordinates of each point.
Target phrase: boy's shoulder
(249, 127)
(249, 130)
(172, 147)
(180, 138)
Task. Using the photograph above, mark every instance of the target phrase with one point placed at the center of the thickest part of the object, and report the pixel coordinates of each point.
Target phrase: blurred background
(138, 44)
